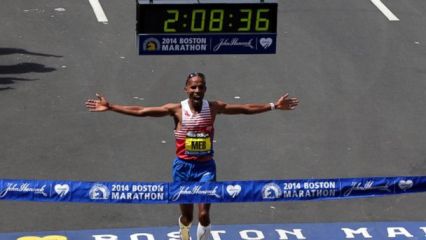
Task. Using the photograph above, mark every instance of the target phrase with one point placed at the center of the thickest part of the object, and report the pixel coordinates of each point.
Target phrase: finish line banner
(212, 192)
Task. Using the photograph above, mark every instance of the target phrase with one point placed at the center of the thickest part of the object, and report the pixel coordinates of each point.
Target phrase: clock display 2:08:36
(219, 20)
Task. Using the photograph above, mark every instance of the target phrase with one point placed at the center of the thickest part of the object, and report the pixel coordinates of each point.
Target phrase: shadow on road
(24, 68)
(11, 80)
(21, 68)
(8, 51)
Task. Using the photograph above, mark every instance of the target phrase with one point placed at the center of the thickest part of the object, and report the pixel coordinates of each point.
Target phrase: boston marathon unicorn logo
(271, 191)
(151, 44)
(99, 192)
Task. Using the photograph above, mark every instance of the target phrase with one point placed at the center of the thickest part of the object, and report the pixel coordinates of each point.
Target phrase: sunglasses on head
(196, 74)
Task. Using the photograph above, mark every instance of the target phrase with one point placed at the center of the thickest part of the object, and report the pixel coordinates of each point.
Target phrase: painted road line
(99, 12)
(382, 7)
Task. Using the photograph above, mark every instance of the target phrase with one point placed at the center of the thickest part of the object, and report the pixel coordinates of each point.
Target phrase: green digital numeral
(216, 20)
(175, 18)
(262, 23)
(195, 15)
(246, 20)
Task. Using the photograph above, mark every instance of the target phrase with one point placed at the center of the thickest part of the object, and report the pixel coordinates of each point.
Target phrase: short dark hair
(195, 74)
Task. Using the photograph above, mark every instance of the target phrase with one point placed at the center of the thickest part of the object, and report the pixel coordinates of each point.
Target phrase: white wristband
(272, 106)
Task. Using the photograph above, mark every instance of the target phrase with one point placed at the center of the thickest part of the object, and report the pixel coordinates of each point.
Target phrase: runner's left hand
(286, 103)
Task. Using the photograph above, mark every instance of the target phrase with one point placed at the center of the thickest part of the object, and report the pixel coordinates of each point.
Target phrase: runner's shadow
(25, 68)
(8, 51)
(21, 68)
(11, 80)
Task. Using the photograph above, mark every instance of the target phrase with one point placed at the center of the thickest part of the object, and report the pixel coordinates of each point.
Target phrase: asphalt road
(360, 79)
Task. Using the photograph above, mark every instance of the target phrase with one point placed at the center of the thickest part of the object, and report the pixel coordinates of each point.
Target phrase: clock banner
(211, 192)
(163, 44)
(214, 27)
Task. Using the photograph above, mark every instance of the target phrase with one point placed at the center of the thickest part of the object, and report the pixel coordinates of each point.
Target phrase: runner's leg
(203, 230)
(185, 220)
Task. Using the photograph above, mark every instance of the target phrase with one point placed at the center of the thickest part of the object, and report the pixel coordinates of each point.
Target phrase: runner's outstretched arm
(101, 105)
(283, 103)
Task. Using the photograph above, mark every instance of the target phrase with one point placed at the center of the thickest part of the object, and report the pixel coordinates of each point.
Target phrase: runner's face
(196, 88)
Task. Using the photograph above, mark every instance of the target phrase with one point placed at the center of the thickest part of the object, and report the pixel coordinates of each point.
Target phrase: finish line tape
(210, 192)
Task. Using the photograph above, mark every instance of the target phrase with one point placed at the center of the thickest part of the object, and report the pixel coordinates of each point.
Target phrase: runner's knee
(204, 217)
(186, 219)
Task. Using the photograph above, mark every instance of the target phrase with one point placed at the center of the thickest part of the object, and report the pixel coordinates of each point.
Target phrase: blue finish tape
(212, 192)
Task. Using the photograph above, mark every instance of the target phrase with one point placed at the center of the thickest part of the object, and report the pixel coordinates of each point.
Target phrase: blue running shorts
(193, 171)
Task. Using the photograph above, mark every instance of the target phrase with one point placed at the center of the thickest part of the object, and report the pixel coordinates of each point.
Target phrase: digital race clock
(207, 27)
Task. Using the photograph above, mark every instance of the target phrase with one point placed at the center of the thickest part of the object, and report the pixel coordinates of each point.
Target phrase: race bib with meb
(198, 143)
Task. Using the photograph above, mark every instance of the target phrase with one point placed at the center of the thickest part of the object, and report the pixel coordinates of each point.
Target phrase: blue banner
(184, 44)
(315, 231)
(212, 192)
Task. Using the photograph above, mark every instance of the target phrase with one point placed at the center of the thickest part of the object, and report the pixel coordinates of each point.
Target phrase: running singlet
(194, 141)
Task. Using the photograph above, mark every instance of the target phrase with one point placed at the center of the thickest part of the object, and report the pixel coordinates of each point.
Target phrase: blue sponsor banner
(316, 231)
(184, 44)
(210, 192)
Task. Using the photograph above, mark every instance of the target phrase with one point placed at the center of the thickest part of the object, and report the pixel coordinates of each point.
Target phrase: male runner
(194, 131)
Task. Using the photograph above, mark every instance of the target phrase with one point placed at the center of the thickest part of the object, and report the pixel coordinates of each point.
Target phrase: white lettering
(226, 42)
(25, 188)
(174, 236)
(296, 232)
(316, 185)
(147, 188)
(137, 196)
(196, 190)
(424, 230)
(215, 234)
(393, 231)
(350, 232)
(245, 235)
(309, 193)
(193, 41)
(367, 186)
(185, 47)
(105, 237)
(137, 235)
(283, 234)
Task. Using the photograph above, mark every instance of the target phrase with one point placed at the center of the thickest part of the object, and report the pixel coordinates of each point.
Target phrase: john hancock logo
(20, 188)
(99, 192)
(196, 190)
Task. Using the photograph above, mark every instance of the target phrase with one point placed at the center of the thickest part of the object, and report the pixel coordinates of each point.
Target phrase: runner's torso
(194, 138)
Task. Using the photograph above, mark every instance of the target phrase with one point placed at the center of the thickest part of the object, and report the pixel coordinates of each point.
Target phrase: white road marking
(99, 12)
(385, 10)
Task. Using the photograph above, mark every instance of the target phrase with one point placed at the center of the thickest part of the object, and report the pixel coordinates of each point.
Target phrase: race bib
(198, 143)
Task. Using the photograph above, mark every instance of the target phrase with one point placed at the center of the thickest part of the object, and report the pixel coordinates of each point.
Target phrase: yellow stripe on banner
(51, 237)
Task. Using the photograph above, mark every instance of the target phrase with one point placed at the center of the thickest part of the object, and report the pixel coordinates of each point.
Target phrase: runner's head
(195, 74)
(196, 87)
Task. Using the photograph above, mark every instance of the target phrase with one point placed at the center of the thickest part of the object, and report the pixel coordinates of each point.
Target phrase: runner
(194, 131)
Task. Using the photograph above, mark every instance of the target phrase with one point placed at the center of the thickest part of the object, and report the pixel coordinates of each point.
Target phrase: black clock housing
(207, 18)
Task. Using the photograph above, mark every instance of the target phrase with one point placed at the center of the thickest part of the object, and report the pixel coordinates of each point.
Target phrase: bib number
(198, 144)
